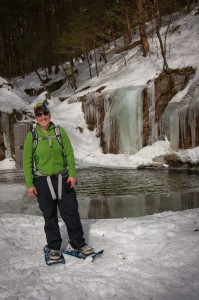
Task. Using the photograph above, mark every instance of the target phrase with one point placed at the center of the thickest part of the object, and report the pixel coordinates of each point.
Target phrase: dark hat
(42, 106)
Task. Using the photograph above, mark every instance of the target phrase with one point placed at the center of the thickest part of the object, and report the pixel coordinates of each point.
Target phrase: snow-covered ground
(153, 257)
(147, 258)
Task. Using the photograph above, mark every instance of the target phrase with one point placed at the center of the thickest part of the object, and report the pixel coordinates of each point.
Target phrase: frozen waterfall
(178, 116)
(123, 120)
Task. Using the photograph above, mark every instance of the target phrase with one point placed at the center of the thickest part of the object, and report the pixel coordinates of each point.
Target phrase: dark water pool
(115, 193)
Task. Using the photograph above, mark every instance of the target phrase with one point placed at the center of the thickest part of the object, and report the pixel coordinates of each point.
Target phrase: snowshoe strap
(52, 191)
(59, 186)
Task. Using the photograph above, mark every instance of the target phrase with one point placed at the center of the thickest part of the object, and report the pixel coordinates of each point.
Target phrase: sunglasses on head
(39, 114)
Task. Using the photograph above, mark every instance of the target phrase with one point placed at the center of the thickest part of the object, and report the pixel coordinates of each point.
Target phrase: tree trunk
(96, 66)
(10, 66)
(165, 38)
(56, 69)
(125, 38)
(39, 77)
(22, 68)
(128, 25)
(87, 58)
(142, 28)
(165, 64)
(188, 6)
(72, 74)
(46, 72)
(49, 69)
(103, 54)
(144, 39)
(1, 46)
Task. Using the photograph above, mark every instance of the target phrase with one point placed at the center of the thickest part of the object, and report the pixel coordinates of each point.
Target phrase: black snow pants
(68, 208)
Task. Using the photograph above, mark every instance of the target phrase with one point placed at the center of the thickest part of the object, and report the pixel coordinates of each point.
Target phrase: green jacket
(48, 155)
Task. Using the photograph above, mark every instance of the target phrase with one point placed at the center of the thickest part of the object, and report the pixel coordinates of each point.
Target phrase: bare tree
(162, 47)
(95, 57)
(68, 79)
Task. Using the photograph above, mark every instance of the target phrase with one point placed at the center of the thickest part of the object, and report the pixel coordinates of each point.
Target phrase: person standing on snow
(47, 170)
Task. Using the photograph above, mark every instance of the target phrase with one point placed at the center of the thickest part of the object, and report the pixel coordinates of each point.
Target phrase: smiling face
(43, 119)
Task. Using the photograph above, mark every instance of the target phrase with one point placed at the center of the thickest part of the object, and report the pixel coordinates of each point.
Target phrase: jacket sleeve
(69, 153)
(27, 160)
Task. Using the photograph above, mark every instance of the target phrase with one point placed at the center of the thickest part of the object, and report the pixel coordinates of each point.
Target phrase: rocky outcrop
(49, 88)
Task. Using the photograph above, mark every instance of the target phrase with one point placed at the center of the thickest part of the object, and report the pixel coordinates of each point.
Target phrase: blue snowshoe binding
(53, 257)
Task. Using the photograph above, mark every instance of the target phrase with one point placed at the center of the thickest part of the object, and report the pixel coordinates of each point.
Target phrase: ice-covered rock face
(7, 121)
(180, 121)
(5, 131)
(131, 117)
(11, 107)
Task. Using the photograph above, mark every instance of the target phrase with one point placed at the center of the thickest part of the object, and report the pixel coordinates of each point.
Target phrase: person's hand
(72, 181)
(32, 192)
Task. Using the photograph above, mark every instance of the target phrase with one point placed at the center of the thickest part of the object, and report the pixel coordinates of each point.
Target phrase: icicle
(174, 129)
(5, 127)
(193, 113)
(190, 103)
(183, 122)
(151, 103)
(170, 125)
(107, 122)
(90, 109)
